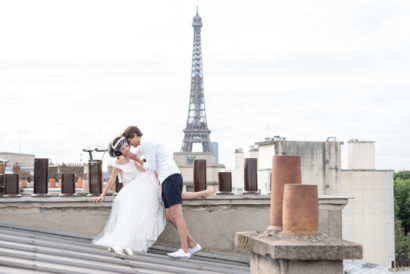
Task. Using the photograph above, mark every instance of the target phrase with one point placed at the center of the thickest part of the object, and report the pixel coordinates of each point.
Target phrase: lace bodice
(128, 172)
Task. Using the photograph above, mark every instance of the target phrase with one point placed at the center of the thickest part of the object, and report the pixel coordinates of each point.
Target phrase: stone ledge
(325, 202)
(280, 246)
(212, 221)
(212, 199)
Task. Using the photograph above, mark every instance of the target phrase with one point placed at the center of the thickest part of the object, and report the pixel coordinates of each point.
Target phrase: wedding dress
(137, 214)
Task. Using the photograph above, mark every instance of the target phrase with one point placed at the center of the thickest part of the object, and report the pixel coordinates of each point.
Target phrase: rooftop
(16, 153)
(26, 249)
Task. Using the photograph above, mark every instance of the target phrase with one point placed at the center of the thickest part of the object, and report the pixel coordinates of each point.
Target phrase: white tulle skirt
(137, 216)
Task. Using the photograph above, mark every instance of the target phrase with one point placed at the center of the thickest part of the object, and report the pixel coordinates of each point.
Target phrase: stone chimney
(239, 158)
(361, 154)
(299, 247)
(2, 168)
(16, 168)
(253, 152)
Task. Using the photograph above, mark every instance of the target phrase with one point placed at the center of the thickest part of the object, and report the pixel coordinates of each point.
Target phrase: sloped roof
(359, 268)
(27, 249)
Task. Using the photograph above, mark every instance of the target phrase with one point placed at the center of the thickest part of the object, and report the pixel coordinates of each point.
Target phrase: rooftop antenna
(20, 141)
(95, 148)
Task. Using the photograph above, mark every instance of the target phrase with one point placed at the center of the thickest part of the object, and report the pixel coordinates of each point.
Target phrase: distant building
(185, 163)
(215, 149)
(23, 160)
(55, 171)
(3, 164)
(368, 218)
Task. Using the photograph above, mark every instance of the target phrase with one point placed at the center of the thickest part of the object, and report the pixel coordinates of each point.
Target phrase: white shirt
(157, 159)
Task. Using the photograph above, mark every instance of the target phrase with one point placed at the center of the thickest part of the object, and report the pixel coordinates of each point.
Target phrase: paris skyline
(74, 74)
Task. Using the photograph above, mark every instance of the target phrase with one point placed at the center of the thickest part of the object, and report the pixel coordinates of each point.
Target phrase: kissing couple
(137, 216)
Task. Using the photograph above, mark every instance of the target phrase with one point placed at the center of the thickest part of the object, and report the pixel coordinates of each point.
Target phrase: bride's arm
(110, 182)
(139, 167)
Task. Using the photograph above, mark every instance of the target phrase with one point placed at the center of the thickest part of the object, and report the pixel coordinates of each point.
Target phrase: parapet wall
(212, 221)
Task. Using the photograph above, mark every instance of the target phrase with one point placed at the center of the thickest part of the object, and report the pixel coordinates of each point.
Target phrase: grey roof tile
(35, 250)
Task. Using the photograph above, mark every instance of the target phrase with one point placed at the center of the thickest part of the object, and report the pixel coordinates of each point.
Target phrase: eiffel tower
(196, 130)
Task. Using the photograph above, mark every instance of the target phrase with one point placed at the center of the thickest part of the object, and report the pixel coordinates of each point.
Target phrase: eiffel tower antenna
(196, 130)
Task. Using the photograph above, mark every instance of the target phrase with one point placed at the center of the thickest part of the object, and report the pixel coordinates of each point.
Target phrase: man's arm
(134, 157)
(150, 153)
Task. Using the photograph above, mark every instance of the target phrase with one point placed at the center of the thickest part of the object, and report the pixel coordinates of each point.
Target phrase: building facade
(22, 159)
(368, 218)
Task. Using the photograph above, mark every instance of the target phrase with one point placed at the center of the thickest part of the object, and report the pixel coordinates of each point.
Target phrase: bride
(137, 214)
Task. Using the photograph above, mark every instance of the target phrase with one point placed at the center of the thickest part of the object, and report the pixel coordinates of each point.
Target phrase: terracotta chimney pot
(52, 182)
(285, 170)
(301, 209)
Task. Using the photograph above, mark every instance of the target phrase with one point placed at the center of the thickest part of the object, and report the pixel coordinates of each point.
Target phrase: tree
(402, 213)
(402, 202)
(400, 241)
(403, 175)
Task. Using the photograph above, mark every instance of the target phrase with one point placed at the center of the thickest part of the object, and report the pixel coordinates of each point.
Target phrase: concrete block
(277, 253)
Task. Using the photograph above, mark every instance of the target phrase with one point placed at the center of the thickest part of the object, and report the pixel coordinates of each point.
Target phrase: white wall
(24, 160)
(361, 155)
(239, 159)
(368, 219)
(187, 173)
(266, 153)
(320, 162)
(237, 180)
(264, 180)
(254, 154)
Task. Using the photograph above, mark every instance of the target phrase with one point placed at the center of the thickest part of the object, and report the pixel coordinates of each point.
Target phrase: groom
(157, 159)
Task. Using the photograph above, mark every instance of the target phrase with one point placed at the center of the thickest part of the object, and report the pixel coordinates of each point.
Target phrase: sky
(76, 73)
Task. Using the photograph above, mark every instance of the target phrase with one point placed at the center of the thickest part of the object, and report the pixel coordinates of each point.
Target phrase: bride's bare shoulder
(121, 160)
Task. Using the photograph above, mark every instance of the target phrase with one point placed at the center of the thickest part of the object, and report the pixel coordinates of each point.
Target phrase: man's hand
(133, 156)
(98, 199)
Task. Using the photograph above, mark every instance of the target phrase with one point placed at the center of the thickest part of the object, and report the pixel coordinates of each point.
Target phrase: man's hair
(130, 131)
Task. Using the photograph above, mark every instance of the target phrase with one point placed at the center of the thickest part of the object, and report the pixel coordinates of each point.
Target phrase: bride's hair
(115, 145)
(130, 131)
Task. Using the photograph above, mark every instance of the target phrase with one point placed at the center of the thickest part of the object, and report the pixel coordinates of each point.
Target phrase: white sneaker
(118, 250)
(179, 254)
(194, 250)
(129, 251)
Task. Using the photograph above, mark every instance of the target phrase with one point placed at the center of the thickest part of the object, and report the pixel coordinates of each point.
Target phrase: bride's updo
(115, 145)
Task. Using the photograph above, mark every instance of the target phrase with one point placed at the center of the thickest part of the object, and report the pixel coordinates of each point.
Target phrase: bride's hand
(98, 199)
